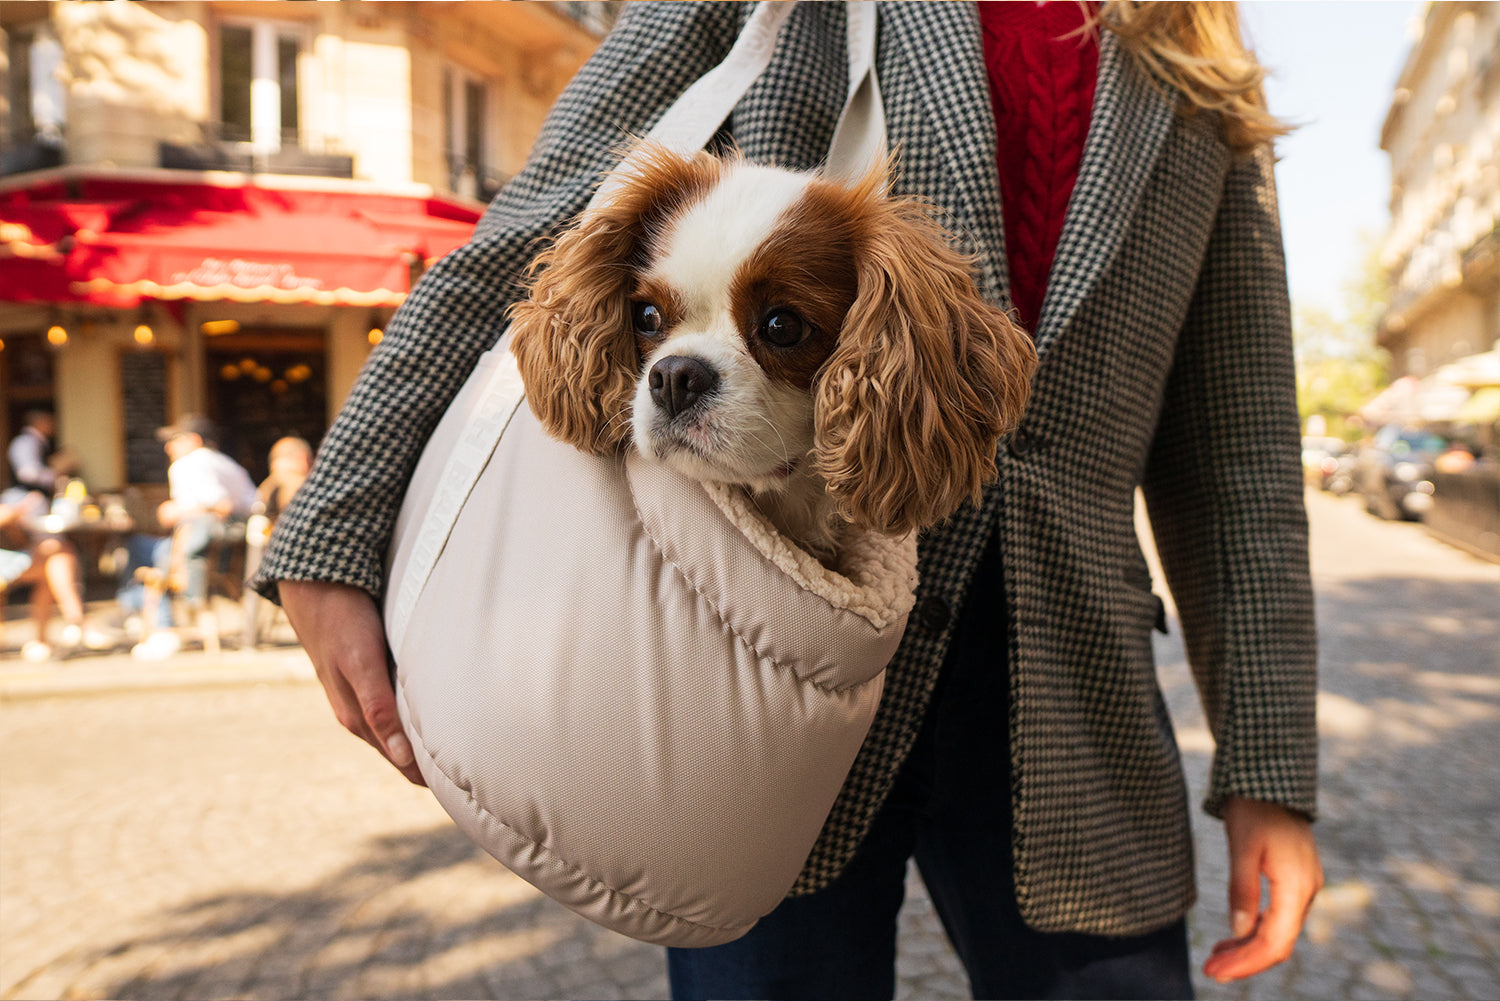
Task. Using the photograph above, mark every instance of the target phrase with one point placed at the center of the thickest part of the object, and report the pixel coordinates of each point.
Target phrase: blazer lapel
(1131, 118)
(944, 56)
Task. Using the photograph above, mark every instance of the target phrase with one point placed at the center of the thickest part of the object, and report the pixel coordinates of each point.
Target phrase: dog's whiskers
(786, 456)
(624, 414)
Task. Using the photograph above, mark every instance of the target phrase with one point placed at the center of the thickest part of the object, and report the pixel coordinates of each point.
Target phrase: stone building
(1442, 251)
(215, 206)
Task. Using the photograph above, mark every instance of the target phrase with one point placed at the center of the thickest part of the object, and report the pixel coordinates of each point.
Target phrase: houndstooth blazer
(1166, 362)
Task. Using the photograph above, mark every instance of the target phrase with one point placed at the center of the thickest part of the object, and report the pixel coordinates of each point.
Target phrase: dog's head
(737, 322)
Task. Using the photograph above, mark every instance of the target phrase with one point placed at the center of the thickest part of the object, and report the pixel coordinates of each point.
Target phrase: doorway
(264, 385)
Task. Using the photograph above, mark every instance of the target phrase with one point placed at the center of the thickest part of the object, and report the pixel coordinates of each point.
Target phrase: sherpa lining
(877, 575)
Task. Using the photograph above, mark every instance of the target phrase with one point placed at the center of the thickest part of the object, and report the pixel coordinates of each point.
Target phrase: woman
(1022, 752)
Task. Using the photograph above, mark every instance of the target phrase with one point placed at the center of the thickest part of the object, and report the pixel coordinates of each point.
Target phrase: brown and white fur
(820, 344)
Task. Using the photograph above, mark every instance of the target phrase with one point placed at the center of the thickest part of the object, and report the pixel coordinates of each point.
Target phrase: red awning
(118, 241)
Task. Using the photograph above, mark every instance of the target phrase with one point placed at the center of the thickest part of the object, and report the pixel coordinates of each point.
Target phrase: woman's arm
(1224, 490)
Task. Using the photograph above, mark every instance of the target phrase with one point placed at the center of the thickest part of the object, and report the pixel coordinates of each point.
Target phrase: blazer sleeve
(339, 525)
(1224, 491)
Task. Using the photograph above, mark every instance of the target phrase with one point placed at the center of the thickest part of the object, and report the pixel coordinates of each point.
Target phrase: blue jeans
(143, 551)
(948, 809)
(194, 535)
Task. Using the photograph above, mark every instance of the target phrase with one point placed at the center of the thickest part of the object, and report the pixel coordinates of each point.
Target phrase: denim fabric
(143, 551)
(950, 810)
(195, 535)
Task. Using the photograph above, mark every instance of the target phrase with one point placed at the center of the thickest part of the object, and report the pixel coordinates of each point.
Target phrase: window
(258, 100)
(466, 134)
(33, 89)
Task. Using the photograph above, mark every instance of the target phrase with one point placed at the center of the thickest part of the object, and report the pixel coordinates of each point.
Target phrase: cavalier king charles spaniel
(819, 344)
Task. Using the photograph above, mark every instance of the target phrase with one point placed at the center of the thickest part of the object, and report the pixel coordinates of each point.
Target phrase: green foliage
(1339, 367)
(1338, 387)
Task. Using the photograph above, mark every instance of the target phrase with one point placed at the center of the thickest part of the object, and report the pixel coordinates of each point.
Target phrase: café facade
(127, 298)
(216, 207)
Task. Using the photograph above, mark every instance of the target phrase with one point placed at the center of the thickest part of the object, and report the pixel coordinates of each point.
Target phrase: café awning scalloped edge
(104, 289)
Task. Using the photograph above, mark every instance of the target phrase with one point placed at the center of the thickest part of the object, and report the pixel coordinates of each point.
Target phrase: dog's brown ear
(926, 378)
(572, 338)
(572, 335)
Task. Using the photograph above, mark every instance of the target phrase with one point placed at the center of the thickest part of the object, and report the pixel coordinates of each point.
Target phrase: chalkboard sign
(143, 375)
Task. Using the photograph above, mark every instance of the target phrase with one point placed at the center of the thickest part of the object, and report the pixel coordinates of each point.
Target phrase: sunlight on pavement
(1336, 905)
(1339, 716)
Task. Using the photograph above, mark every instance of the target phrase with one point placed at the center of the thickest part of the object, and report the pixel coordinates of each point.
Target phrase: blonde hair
(1195, 49)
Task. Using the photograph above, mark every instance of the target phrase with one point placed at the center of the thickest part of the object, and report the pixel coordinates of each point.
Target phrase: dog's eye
(783, 328)
(647, 319)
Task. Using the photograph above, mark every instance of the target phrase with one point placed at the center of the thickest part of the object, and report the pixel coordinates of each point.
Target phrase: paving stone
(1388, 977)
(1324, 983)
(1478, 980)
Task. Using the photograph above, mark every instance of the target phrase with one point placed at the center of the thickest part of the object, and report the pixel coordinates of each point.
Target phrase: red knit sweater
(1042, 88)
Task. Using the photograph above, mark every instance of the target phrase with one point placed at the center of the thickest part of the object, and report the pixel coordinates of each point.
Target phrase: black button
(934, 613)
(1021, 442)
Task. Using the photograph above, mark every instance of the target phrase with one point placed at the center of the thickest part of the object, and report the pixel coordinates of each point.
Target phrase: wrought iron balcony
(225, 147)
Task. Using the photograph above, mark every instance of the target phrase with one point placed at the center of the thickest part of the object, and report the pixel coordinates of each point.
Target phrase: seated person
(210, 496)
(49, 564)
(35, 460)
(291, 459)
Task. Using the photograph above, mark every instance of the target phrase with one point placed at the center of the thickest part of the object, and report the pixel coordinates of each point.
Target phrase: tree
(1339, 366)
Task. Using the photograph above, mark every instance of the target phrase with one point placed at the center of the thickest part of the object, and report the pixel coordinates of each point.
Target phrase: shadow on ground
(424, 914)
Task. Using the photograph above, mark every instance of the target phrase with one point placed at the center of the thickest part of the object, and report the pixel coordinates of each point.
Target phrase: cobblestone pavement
(231, 842)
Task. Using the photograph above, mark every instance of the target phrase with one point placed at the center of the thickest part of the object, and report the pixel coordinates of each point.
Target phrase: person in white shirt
(203, 481)
(209, 495)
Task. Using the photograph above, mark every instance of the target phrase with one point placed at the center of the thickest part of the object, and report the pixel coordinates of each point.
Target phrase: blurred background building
(216, 206)
(1439, 420)
(1442, 327)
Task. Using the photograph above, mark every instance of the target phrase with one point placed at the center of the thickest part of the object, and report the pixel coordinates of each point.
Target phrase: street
(234, 842)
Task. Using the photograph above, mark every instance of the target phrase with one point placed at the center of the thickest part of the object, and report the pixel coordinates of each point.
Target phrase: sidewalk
(279, 660)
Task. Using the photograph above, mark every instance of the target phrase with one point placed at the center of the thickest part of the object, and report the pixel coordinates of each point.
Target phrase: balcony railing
(221, 147)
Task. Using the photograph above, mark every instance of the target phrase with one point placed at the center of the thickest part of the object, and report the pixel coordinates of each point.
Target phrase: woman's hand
(1265, 839)
(341, 630)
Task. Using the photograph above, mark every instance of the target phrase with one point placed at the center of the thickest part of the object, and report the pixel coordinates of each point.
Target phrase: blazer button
(934, 613)
(1022, 442)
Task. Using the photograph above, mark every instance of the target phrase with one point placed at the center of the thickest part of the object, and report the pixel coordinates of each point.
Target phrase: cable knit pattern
(1042, 87)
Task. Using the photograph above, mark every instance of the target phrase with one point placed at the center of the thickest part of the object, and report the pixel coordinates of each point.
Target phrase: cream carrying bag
(622, 684)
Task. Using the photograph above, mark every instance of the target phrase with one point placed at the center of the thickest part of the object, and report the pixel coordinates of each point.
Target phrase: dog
(819, 344)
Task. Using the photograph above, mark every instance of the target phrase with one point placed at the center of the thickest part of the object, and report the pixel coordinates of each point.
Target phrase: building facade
(1443, 247)
(215, 206)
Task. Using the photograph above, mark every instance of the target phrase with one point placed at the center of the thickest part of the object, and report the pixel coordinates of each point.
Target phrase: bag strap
(496, 401)
(691, 121)
(859, 138)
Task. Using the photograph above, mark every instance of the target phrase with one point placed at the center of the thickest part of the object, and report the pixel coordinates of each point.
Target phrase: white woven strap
(484, 422)
(696, 115)
(859, 138)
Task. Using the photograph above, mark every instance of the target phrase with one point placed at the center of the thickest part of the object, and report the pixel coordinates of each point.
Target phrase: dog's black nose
(678, 382)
